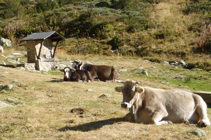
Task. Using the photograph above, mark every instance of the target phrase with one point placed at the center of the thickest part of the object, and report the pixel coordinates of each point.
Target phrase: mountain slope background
(153, 29)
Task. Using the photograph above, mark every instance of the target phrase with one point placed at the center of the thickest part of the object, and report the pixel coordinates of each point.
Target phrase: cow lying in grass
(158, 106)
(101, 72)
(76, 75)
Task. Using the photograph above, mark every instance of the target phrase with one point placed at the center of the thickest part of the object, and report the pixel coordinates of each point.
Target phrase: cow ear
(140, 89)
(118, 88)
(62, 70)
(72, 70)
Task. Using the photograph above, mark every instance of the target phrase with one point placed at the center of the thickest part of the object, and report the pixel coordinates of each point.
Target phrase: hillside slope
(155, 30)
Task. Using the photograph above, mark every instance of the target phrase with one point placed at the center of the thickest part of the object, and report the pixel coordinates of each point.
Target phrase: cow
(158, 106)
(1, 49)
(101, 72)
(76, 75)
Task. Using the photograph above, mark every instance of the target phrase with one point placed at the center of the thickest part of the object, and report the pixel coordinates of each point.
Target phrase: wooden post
(38, 57)
(55, 49)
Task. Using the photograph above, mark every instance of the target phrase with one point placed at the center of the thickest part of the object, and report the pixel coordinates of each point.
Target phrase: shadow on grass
(9, 66)
(92, 125)
(56, 80)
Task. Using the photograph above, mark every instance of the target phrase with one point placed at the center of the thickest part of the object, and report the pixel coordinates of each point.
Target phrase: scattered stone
(90, 90)
(123, 70)
(10, 100)
(165, 62)
(3, 63)
(183, 64)
(144, 72)
(13, 61)
(174, 63)
(3, 104)
(15, 81)
(104, 96)
(6, 42)
(164, 82)
(198, 132)
(22, 85)
(178, 77)
(6, 87)
(49, 95)
(17, 54)
(67, 59)
(141, 68)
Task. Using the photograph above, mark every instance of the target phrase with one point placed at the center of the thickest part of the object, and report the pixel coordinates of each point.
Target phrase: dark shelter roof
(53, 35)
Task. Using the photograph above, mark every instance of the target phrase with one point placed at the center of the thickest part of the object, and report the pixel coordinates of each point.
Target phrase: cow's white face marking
(66, 73)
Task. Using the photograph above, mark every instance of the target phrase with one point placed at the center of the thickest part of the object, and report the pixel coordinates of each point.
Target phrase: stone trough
(205, 95)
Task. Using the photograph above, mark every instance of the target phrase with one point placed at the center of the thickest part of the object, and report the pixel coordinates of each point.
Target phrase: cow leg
(112, 74)
(78, 78)
(159, 115)
(130, 117)
(89, 76)
(201, 109)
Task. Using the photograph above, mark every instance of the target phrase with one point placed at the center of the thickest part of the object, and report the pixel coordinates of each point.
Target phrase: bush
(115, 42)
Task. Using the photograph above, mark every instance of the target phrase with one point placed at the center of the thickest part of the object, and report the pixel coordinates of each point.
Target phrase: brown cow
(158, 106)
(101, 72)
(76, 75)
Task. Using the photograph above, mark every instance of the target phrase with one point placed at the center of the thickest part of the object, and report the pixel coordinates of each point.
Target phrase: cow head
(67, 73)
(77, 64)
(130, 92)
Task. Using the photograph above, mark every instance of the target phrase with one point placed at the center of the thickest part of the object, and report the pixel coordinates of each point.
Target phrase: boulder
(198, 132)
(5, 42)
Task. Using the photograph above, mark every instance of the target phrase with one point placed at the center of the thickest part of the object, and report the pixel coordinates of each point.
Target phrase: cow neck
(134, 108)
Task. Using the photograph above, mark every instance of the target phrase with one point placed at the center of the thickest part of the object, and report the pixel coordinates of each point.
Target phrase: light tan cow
(158, 106)
(1, 49)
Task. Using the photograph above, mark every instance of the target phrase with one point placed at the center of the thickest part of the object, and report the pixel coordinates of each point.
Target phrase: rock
(174, 63)
(3, 104)
(198, 132)
(183, 64)
(178, 77)
(104, 96)
(5, 42)
(165, 62)
(15, 81)
(10, 100)
(17, 54)
(164, 82)
(2, 63)
(144, 72)
(90, 90)
(6, 87)
(141, 68)
(13, 61)
(122, 70)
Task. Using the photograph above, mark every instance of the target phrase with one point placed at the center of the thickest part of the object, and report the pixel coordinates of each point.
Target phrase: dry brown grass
(46, 104)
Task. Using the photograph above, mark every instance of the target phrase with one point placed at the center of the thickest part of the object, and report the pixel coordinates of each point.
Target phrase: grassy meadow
(45, 107)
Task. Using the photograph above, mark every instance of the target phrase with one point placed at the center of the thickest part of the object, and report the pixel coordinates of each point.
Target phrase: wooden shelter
(40, 46)
(40, 49)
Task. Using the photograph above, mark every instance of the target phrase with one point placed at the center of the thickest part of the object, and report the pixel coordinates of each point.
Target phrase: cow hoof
(203, 124)
(169, 122)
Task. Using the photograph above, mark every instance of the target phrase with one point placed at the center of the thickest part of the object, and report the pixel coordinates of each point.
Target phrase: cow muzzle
(125, 105)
